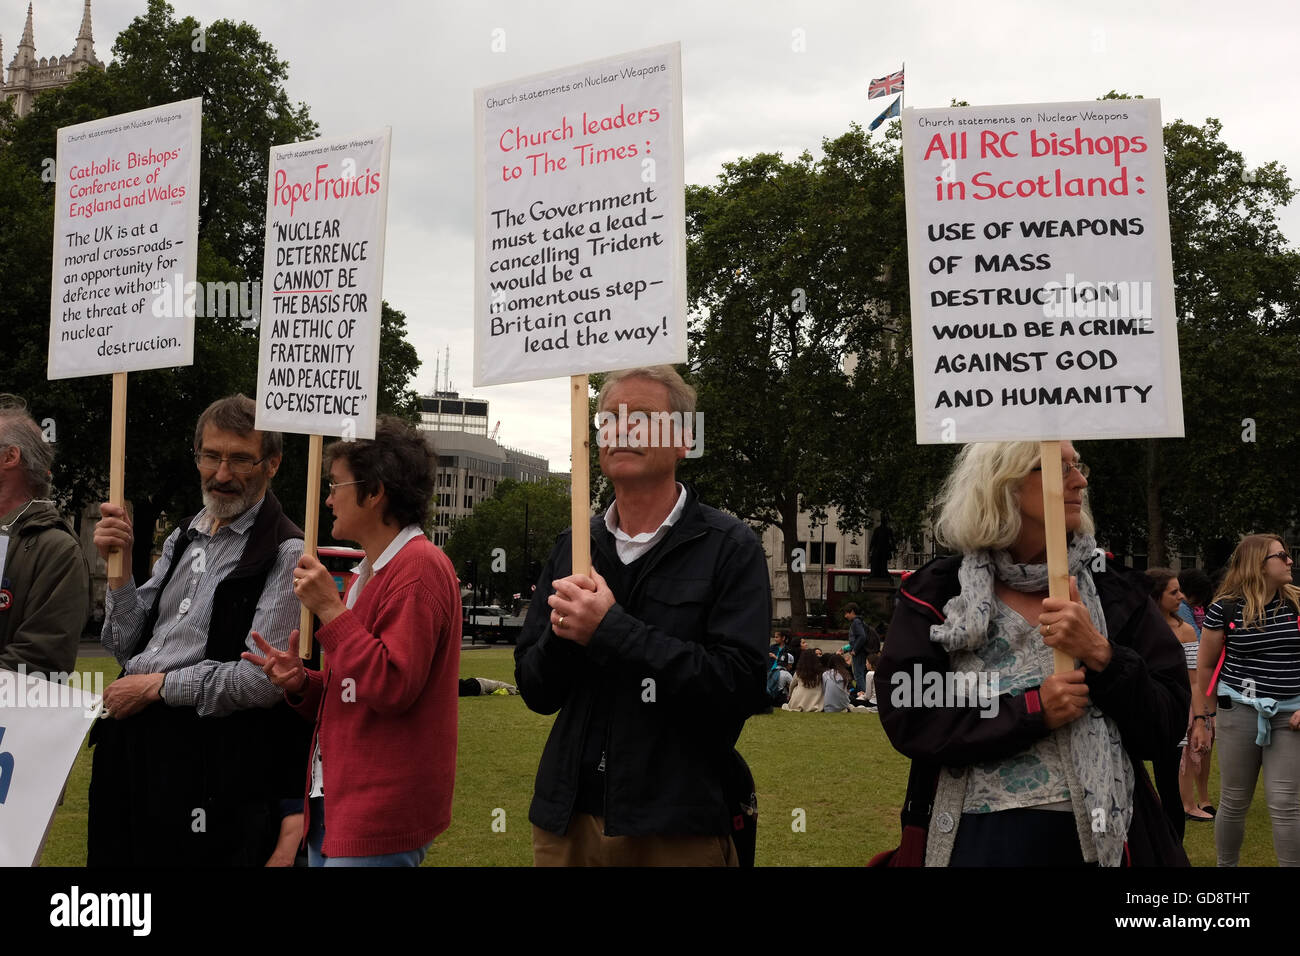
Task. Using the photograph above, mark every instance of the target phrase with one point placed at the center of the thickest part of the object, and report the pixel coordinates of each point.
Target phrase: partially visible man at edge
(44, 580)
(199, 748)
(654, 660)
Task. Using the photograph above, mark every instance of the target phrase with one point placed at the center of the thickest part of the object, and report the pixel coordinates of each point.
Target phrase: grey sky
(414, 65)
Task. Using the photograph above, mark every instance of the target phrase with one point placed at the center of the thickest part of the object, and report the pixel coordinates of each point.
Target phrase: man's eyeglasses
(340, 484)
(238, 464)
(1066, 466)
(1281, 554)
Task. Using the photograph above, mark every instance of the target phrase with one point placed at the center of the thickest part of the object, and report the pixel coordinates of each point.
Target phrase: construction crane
(496, 428)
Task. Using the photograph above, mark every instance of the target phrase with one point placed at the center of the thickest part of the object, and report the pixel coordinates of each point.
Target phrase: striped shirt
(1267, 656)
(178, 645)
(1190, 648)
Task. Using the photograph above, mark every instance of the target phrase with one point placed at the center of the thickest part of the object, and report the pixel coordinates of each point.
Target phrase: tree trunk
(790, 540)
(1157, 557)
(143, 518)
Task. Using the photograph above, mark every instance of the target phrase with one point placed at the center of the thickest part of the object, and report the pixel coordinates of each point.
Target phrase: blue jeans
(859, 671)
(316, 836)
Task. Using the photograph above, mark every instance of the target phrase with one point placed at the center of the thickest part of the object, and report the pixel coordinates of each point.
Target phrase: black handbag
(742, 801)
(918, 803)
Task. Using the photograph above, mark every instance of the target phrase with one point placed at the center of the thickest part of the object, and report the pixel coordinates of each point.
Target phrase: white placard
(1041, 275)
(322, 286)
(126, 227)
(581, 241)
(42, 725)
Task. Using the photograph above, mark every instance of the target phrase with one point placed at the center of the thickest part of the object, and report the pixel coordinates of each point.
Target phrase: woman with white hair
(1031, 767)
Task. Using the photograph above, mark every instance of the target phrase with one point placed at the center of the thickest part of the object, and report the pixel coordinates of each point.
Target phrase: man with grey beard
(199, 749)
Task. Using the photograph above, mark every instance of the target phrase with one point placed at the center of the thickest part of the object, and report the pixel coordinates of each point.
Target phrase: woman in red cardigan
(384, 752)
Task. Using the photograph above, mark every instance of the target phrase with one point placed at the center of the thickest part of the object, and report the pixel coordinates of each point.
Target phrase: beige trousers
(586, 845)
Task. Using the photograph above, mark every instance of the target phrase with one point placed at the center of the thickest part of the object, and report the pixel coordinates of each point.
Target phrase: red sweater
(386, 708)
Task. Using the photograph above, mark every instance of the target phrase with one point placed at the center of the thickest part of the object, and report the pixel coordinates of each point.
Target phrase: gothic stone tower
(29, 77)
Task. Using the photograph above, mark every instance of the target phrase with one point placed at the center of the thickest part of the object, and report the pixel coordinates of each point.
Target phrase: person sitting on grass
(836, 678)
(806, 691)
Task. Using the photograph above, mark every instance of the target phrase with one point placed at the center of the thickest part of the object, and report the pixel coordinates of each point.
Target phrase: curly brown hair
(399, 459)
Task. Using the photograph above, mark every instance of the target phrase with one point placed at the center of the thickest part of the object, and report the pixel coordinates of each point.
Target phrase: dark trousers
(1017, 838)
(157, 800)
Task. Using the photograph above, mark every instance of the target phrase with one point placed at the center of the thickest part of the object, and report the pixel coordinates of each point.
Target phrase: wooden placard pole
(117, 469)
(1058, 562)
(581, 474)
(310, 533)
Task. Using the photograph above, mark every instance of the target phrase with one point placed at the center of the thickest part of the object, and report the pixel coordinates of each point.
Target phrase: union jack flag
(886, 85)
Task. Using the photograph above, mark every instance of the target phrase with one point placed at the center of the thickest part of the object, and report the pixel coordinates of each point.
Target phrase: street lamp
(814, 522)
(821, 578)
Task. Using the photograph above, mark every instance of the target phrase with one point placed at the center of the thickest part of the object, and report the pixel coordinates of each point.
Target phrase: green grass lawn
(839, 769)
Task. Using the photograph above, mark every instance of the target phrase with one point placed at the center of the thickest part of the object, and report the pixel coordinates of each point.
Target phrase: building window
(816, 555)
(813, 552)
(469, 501)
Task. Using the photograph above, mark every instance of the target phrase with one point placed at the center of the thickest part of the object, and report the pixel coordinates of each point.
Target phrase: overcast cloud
(414, 65)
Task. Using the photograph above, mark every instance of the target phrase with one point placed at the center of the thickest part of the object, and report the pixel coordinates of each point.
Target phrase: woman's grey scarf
(1098, 771)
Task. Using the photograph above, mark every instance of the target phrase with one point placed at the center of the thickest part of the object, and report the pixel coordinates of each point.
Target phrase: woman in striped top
(1168, 595)
(1258, 695)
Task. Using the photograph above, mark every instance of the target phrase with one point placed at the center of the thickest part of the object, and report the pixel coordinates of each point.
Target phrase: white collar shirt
(629, 547)
(365, 570)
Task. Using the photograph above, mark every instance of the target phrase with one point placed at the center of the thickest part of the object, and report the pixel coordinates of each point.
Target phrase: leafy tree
(160, 59)
(398, 363)
(808, 399)
(797, 280)
(1237, 291)
(499, 522)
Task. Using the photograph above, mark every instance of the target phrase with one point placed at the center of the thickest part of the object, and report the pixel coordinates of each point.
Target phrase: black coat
(695, 622)
(1144, 690)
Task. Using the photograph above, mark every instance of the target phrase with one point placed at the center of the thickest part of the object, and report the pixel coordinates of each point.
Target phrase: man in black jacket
(654, 660)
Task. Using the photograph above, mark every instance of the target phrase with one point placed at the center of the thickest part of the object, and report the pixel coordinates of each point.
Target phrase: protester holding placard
(199, 750)
(44, 580)
(1039, 768)
(1252, 692)
(654, 660)
(383, 761)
